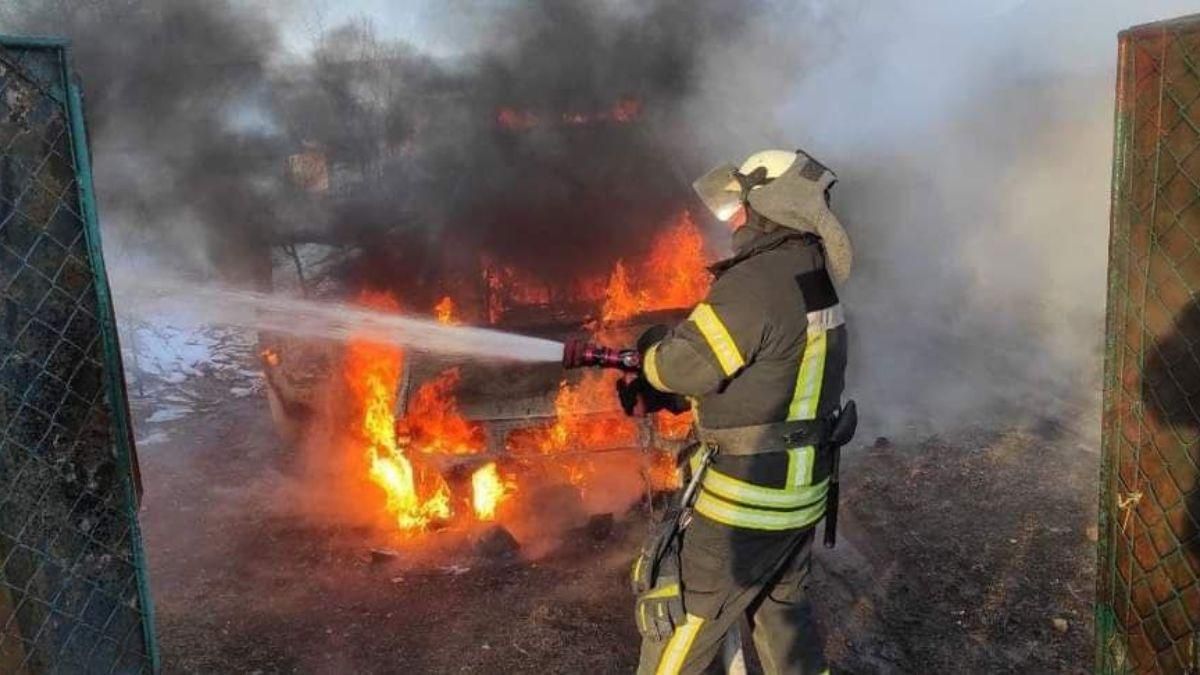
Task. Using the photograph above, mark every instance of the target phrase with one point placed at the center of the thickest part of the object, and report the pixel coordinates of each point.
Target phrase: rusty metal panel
(73, 588)
(1148, 594)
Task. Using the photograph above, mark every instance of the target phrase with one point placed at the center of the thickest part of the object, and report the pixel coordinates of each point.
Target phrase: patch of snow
(175, 347)
(169, 413)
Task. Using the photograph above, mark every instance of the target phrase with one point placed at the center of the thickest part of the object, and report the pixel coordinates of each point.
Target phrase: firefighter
(762, 361)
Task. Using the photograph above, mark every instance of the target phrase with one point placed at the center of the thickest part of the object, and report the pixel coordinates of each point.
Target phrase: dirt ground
(956, 555)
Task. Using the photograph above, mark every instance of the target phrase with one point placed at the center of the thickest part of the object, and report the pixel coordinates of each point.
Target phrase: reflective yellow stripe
(650, 367)
(808, 381)
(797, 492)
(791, 497)
(800, 469)
(718, 338)
(794, 461)
(665, 592)
(678, 646)
(756, 519)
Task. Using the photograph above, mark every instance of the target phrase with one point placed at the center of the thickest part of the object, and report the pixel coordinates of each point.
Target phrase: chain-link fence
(73, 595)
(1148, 605)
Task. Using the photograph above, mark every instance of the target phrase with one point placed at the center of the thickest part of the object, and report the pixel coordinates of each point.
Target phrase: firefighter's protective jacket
(767, 345)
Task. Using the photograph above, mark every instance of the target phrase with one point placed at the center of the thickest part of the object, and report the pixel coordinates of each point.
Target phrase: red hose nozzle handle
(580, 354)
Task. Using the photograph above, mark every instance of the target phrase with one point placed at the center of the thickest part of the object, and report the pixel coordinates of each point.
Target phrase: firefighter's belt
(760, 439)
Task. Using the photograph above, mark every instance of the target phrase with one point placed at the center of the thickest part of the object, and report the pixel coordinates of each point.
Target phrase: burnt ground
(957, 555)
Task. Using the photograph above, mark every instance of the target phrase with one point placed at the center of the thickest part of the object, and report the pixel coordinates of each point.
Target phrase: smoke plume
(546, 144)
(972, 140)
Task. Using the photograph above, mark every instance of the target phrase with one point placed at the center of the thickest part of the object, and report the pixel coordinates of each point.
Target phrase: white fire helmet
(787, 188)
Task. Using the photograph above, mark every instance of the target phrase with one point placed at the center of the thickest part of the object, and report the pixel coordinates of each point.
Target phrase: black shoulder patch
(818, 290)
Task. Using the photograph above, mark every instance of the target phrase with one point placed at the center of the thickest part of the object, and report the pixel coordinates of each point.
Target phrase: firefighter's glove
(659, 610)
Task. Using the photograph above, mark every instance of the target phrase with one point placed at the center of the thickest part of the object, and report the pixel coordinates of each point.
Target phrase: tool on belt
(656, 572)
(843, 432)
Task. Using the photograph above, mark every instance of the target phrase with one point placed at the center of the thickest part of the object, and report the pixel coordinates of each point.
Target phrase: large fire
(406, 457)
(418, 496)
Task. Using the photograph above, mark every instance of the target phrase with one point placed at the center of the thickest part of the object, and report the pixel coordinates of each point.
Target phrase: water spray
(333, 320)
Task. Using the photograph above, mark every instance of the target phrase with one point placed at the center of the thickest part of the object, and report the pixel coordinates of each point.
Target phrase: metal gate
(73, 590)
(1148, 597)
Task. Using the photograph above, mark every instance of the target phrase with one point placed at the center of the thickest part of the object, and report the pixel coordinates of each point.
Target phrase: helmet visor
(720, 191)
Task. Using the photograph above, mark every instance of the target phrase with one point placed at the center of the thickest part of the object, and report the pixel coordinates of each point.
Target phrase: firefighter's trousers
(780, 615)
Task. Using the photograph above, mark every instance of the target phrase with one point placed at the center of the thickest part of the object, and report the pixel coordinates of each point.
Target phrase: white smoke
(973, 140)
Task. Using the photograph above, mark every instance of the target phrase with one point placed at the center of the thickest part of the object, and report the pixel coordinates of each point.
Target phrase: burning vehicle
(459, 444)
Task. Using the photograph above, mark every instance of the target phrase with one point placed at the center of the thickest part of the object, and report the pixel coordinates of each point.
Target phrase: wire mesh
(1148, 602)
(72, 585)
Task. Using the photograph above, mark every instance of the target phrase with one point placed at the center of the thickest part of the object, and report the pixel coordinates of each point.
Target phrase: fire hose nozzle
(580, 354)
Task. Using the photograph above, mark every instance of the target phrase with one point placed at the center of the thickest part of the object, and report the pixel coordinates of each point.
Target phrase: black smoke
(194, 114)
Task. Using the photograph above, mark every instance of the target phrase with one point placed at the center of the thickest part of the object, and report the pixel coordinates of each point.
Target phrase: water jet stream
(331, 320)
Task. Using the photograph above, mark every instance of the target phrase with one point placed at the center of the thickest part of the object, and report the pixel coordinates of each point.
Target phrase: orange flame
(507, 286)
(620, 300)
(577, 427)
(443, 311)
(516, 120)
(488, 490)
(435, 423)
(416, 496)
(270, 356)
(623, 111)
(673, 427)
(673, 275)
(663, 473)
